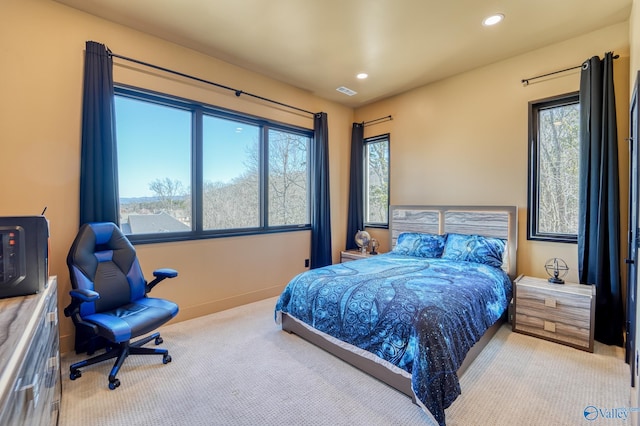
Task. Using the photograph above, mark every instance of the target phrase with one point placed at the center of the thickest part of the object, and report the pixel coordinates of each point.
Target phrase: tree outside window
(554, 131)
(376, 181)
(188, 170)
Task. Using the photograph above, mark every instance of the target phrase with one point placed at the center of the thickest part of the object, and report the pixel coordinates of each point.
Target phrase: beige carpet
(238, 368)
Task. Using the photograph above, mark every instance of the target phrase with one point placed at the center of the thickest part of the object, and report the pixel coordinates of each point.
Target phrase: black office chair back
(102, 259)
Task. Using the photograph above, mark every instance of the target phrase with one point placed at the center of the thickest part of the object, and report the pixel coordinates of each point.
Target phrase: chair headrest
(103, 231)
(99, 237)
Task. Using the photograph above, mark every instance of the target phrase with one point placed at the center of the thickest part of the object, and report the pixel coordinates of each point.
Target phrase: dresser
(30, 384)
(562, 313)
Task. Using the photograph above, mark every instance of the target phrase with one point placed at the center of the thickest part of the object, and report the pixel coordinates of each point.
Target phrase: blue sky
(154, 142)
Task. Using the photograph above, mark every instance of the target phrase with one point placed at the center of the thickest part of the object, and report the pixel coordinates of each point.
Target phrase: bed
(416, 317)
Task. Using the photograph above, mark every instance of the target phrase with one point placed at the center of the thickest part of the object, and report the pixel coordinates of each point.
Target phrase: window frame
(198, 111)
(366, 141)
(533, 184)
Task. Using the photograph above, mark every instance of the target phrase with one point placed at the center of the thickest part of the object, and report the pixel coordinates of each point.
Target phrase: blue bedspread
(422, 315)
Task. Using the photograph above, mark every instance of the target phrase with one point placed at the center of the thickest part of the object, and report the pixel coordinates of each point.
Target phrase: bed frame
(488, 221)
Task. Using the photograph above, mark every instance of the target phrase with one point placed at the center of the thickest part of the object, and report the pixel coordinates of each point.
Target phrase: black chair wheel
(159, 340)
(75, 374)
(114, 384)
(166, 358)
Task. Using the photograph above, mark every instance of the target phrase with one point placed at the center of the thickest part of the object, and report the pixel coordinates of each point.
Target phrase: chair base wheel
(121, 352)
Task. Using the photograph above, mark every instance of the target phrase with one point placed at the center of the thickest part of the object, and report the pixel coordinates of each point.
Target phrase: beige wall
(42, 47)
(463, 140)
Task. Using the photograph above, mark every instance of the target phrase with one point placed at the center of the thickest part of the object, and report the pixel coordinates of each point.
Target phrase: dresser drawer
(561, 313)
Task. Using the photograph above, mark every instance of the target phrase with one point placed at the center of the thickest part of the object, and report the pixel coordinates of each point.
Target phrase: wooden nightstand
(562, 313)
(349, 255)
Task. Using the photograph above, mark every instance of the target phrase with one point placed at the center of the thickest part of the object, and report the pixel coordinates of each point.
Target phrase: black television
(24, 255)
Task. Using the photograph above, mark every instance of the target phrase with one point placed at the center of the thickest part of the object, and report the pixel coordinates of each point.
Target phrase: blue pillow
(419, 245)
(474, 248)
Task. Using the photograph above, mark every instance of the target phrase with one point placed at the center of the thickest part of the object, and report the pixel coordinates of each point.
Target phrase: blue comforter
(422, 315)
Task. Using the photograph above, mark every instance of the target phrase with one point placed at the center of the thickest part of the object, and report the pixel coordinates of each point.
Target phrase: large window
(554, 130)
(376, 181)
(188, 170)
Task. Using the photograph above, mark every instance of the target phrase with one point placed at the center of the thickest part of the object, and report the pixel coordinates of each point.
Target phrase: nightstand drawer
(349, 255)
(559, 312)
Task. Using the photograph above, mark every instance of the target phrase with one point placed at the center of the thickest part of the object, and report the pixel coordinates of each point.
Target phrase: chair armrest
(78, 297)
(85, 295)
(161, 274)
(165, 273)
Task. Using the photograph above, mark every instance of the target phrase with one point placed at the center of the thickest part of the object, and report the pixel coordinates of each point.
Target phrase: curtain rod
(525, 81)
(222, 86)
(388, 117)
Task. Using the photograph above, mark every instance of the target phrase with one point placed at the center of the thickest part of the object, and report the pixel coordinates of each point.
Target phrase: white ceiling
(319, 45)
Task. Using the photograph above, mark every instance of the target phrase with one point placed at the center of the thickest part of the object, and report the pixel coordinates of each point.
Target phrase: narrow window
(376, 181)
(554, 131)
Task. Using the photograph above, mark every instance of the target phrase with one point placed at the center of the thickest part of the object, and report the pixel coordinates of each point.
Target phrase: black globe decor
(557, 270)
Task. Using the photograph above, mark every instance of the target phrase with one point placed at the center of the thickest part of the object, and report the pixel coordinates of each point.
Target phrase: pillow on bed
(419, 245)
(474, 248)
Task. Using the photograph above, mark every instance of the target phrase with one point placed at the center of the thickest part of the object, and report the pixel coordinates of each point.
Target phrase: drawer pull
(31, 391)
(550, 302)
(550, 326)
(52, 316)
(53, 363)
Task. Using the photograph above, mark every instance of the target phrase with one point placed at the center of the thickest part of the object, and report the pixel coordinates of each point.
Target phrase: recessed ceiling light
(362, 75)
(493, 19)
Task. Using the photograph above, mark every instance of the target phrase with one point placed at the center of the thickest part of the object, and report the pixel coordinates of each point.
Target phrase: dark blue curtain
(599, 204)
(98, 166)
(320, 210)
(355, 216)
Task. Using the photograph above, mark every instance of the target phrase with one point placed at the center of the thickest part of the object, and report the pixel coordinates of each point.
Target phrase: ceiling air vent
(346, 91)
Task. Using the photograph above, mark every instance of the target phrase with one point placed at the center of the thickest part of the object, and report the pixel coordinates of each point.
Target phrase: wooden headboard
(488, 221)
